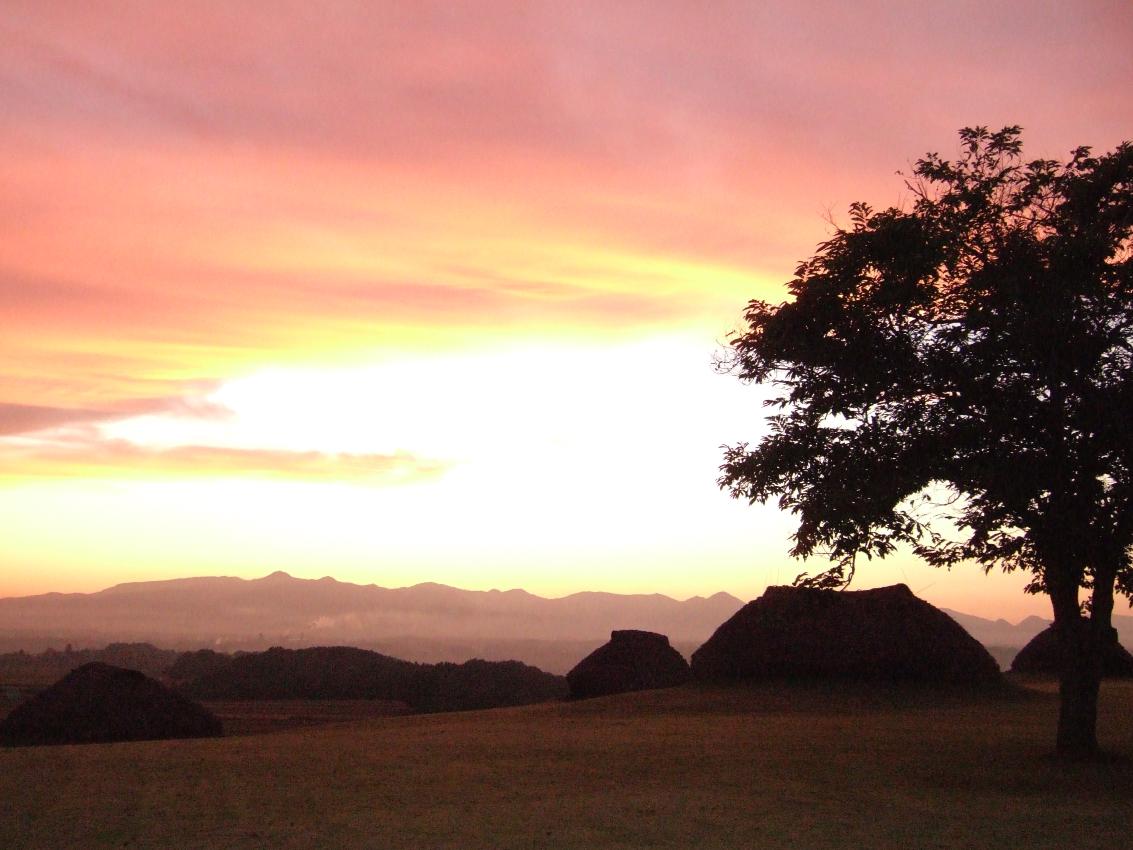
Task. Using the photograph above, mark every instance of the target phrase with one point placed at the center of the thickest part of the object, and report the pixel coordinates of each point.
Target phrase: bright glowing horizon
(401, 293)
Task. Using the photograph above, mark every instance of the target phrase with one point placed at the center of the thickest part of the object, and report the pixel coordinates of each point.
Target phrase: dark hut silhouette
(1042, 654)
(98, 703)
(882, 634)
(632, 661)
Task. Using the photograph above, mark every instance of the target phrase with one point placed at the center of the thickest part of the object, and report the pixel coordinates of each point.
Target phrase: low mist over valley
(426, 622)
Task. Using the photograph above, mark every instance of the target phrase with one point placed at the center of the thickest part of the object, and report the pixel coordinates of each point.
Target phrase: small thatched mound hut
(882, 634)
(1041, 656)
(98, 703)
(632, 661)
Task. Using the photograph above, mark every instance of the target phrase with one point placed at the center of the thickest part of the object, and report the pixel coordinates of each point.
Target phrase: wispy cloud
(89, 455)
(18, 419)
(23, 418)
(205, 187)
(53, 442)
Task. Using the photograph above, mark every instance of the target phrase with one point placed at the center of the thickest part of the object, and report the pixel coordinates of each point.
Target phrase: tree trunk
(1080, 678)
(1078, 692)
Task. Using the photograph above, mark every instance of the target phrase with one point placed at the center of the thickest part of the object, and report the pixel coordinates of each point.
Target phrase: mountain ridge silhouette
(429, 621)
(423, 622)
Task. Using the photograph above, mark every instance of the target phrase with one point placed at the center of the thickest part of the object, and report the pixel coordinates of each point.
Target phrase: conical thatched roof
(886, 633)
(101, 703)
(1041, 655)
(632, 661)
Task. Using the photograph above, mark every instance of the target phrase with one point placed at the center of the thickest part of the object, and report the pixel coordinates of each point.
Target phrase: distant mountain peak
(721, 596)
(278, 575)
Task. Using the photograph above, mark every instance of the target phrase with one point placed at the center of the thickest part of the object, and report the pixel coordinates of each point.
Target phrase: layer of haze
(400, 292)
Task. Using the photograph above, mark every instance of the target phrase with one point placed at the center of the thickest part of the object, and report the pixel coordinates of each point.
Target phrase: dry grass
(256, 717)
(771, 766)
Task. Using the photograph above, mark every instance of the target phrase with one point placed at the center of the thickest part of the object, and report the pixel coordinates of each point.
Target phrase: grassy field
(256, 717)
(765, 766)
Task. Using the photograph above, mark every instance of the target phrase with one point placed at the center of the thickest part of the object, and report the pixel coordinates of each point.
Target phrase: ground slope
(767, 766)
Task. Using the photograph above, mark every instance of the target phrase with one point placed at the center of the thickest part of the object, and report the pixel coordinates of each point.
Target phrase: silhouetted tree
(958, 377)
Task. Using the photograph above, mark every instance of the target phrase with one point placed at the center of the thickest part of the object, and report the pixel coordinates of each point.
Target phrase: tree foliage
(958, 376)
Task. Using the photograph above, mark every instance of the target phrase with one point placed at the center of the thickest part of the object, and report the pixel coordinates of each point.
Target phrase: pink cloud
(84, 453)
(159, 160)
(28, 419)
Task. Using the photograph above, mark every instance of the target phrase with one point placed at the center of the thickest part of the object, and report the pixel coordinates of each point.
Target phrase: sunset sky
(402, 292)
